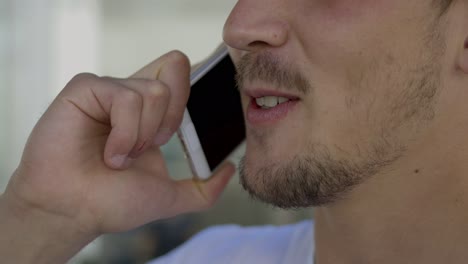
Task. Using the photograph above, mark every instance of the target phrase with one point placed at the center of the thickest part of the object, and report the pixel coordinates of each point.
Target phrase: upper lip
(262, 92)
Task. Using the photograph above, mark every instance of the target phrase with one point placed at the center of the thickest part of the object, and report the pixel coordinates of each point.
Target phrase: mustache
(267, 68)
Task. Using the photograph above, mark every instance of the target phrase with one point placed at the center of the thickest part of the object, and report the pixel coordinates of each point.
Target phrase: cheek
(341, 26)
(345, 12)
(346, 9)
(344, 38)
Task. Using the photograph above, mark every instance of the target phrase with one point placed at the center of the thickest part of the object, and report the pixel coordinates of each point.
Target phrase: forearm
(31, 236)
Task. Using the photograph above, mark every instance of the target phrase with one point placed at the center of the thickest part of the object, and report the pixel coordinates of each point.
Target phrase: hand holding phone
(70, 185)
(213, 124)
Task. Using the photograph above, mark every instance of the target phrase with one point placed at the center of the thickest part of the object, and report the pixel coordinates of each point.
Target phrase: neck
(414, 212)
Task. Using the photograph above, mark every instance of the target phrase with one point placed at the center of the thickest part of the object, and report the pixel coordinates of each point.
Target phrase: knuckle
(157, 92)
(83, 79)
(107, 78)
(127, 135)
(131, 96)
(177, 56)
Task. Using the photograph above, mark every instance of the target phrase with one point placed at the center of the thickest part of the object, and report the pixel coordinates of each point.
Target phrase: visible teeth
(260, 101)
(270, 101)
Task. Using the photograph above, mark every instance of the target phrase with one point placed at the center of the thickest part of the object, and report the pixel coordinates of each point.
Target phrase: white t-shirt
(232, 244)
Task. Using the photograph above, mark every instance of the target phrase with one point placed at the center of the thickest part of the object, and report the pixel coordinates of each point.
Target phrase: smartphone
(213, 124)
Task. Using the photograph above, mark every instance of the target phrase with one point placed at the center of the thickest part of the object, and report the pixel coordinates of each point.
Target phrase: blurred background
(44, 43)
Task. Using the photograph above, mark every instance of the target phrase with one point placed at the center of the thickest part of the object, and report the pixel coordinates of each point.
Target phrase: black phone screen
(215, 109)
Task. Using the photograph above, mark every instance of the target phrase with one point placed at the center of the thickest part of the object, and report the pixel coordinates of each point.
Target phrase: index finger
(173, 69)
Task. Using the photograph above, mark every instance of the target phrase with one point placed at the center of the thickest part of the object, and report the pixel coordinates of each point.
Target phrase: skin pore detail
(358, 108)
(389, 99)
(379, 144)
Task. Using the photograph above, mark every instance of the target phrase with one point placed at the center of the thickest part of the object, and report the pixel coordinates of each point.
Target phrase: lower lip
(258, 116)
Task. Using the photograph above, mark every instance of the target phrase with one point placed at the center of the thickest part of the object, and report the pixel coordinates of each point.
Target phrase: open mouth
(268, 102)
(269, 109)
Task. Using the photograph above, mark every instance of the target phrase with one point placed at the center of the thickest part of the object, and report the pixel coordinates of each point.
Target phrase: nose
(255, 24)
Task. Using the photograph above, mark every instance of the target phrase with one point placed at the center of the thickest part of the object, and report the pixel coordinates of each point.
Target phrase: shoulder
(237, 244)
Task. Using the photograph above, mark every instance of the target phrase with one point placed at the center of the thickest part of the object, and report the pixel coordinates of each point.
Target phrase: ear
(463, 58)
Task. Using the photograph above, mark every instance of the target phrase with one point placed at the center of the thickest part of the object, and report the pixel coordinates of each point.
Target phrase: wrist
(30, 235)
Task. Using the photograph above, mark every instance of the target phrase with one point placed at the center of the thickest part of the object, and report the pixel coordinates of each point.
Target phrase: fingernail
(119, 161)
(162, 137)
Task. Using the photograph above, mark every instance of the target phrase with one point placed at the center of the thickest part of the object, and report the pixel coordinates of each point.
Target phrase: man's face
(361, 79)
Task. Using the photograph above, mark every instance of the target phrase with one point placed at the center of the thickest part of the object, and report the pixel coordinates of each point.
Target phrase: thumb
(152, 70)
(195, 195)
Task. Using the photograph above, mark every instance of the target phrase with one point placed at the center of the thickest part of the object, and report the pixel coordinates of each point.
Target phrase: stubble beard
(310, 180)
(317, 177)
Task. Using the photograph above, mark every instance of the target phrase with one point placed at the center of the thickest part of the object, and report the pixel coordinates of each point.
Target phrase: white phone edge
(187, 133)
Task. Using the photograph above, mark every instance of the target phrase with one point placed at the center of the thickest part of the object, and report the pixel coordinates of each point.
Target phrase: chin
(303, 179)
